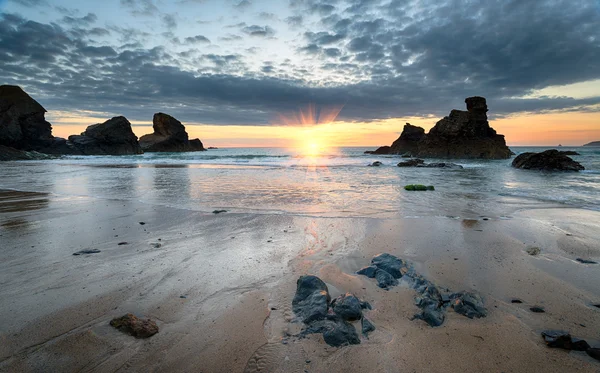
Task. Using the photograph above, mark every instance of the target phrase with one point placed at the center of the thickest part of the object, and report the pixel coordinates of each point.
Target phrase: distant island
(593, 143)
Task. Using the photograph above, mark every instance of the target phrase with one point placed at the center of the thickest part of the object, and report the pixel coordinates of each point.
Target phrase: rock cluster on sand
(312, 304)
(134, 326)
(549, 160)
(169, 136)
(562, 339)
(113, 137)
(462, 134)
(433, 301)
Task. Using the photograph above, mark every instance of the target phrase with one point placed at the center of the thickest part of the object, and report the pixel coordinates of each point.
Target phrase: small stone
(389, 263)
(135, 326)
(219, 211)
(586, 261)
(156, 245)
(533, 250)
(88, 251)
(518, 301)
(311, 299)
(142, 223)
(123, 243)
(562, 339)
(537, 309)
(366, 327)
(375, 164)
(182, 297)
(468, 304)
(348, 307)
(384, 279)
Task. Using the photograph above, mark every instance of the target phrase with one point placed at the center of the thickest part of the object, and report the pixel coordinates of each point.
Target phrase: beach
(220, 286)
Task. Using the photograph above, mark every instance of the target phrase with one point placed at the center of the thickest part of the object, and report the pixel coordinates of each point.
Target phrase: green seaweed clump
(418, 187)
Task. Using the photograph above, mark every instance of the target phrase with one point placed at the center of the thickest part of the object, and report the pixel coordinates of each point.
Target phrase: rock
(384, 279)
(212, 148)
(593, 143)
(594, 352)
(113, 137)
(336, 332)
(418, 187)
(468, 304)
(380, 150)
(409, 140)
(517, 301)
(442, 165)
(433, 316)
(411, 163)
(537, 309)
(135, 326)
(12, 154)
(569, 152)
(533, 251)
(376, 164)
(391, 264)
(219, 211)
(368, 271)
(562, 339)
(348, 307)
(464, 134)
(169, 136)
(312, 299)
(586, 261)
(366, 326)
(407, 155)
(22, 121)
(87, 251)
(549, 160)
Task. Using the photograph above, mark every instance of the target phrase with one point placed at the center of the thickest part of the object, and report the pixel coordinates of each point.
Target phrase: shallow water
(334, 183)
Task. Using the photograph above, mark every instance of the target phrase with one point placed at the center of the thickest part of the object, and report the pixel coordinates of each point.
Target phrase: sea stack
(113, 137)
(461, 135)
(169, 136)
(465, 134)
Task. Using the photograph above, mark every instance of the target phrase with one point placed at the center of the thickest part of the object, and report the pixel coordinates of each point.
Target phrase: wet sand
(220, 288)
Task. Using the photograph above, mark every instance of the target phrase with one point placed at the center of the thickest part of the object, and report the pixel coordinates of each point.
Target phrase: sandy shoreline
(237, 273)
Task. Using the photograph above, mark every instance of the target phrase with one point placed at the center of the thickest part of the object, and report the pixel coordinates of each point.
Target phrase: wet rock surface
(375, 164)
(431, 299)
(134, 326)
(366, 326)
(88, 251)
(549, 160)
(563, 339)
(312, 303)
(586, 261)
(411, 163)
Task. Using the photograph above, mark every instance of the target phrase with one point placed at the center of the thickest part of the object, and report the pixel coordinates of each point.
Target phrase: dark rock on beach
(113, 137)
(442, 165)
(549, 160)
(384, 279)
(366, 326)
(312, 298)
(569, 152)
(368, 271)
(391, 264)
(134, 326)
(594, 353)
(348, 307)
(376, 164)
(562, 339)
(586, 261)
(169, 136)
(409, 139)
(336, 332)
(468, 304)
(87, 251)
(537, 309)
(12, 154)
(380, 150)
(411, 163)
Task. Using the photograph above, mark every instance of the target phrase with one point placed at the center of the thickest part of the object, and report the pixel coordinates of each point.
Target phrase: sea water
(336, 182)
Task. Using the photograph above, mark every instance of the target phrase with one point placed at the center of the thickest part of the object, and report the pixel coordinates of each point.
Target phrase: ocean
(333, 183)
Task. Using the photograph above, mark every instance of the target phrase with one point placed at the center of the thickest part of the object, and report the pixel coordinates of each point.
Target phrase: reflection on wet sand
(17, 202)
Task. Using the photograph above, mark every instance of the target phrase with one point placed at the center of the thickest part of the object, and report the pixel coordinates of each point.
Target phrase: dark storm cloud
(395, 59)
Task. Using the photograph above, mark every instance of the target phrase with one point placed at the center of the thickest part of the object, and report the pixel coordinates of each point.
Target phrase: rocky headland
(593, 143)
(169, 136)
(461, 135)
(26, 135)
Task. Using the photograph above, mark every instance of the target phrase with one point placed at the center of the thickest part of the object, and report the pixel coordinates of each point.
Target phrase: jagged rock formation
(462, 134)
(169, 136)
(549, 160)
(12, 154)
(593, 143)
(465, 134)
(113, 137)
(22, 122)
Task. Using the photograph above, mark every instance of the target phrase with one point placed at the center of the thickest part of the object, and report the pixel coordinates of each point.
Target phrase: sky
(246, 72)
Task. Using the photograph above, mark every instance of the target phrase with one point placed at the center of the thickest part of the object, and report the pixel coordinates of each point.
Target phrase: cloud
(170, 21)
(242, 5)
(381, 59)
(197, 39)
(141, 7)
(261, 31)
